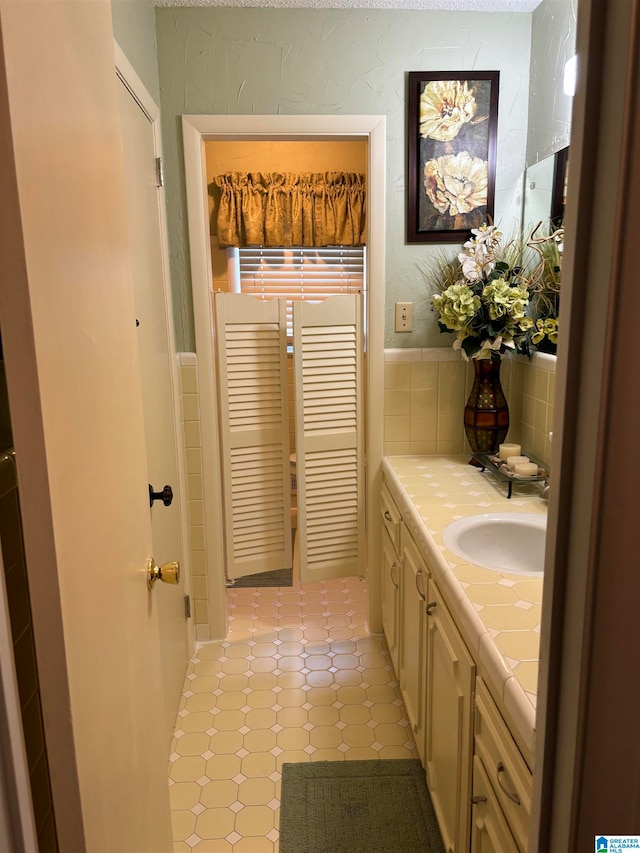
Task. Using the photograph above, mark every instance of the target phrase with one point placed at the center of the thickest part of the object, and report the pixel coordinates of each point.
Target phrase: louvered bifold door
(327, 348)
(254, 428)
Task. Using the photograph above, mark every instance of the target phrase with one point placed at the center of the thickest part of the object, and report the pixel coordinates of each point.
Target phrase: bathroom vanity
(464, 641)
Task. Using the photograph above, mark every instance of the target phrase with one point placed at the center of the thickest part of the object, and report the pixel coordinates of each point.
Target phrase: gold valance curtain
(283, 209)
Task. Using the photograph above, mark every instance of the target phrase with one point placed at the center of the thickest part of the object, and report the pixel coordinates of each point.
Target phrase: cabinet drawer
(509, 775)
(391, 517)
(489, 830)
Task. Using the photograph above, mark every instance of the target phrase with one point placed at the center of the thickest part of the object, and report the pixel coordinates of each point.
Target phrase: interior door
(153, 313)
(254, 432)
(327, 352)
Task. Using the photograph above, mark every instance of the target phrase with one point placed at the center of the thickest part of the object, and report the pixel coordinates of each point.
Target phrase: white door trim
(196, 130)
(140, 93)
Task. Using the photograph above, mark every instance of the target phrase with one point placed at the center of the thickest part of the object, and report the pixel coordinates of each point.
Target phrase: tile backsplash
(425, 391)
(190, 413)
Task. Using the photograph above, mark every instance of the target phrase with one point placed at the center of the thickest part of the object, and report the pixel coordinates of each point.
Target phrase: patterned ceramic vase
(486, 415)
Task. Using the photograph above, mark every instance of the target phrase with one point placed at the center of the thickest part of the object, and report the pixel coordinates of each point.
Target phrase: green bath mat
(357, 807)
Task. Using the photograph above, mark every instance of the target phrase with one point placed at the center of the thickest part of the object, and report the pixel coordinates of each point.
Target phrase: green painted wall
(310, 61)
(134, 30)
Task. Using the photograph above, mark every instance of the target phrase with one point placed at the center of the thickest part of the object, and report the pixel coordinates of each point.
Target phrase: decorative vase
(486, 415)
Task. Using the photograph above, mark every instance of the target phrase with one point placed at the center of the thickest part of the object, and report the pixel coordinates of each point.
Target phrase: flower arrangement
(484, 296)
(489, 297)
(545, 287)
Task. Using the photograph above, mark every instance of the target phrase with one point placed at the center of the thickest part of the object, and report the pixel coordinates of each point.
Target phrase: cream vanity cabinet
(502, 783)
(479, 783)
(391, 574)
(449, 686)
(413, 652)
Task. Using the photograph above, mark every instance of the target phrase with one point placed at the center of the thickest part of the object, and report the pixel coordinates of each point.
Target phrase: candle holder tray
(496, 467)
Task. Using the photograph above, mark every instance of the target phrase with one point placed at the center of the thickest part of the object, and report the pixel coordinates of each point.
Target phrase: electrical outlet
(404, 316)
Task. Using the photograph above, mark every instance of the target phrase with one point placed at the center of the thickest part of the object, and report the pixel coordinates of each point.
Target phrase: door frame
(196, 130)
(139, 92)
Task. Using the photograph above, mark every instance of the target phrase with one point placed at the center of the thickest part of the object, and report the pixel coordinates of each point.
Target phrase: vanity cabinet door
(390, 596)
(414, 586)
(450, 675)
(489, 829)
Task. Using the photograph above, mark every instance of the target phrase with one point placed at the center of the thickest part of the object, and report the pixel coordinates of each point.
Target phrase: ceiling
(446, 5)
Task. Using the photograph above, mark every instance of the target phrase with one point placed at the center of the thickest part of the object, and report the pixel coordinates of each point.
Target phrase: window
(312, 274)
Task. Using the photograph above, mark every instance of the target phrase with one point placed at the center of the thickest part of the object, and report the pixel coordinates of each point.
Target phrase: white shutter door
(254, 429)
(329, 429)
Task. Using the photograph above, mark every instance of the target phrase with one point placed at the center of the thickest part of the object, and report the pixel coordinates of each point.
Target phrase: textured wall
(553, 39)
(309, 61)
(134, 30)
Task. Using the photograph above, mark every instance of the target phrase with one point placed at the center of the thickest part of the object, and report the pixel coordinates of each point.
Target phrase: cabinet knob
(431, 607)
(388, 515)
(479, 798)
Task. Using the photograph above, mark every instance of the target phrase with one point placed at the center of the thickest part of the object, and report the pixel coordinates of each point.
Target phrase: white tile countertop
(497, 613)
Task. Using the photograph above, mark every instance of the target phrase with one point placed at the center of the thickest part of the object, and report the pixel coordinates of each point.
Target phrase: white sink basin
(501, 541)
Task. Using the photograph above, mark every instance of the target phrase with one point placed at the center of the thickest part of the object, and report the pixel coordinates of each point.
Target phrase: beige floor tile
(225, 743)
(390, 734)
(354, 715)
(255, 821)
(187, 769)
(184, 795)
(213, 845)
(291, 757)
(204, 684)
(183, 822)
(325, 737)
(260, 718)
(192, 744)
(261, 699)
(267, 696)
(197, 721)
(258, 764)
(256, 792)
(233, 666)
(360, 753)
(231, 701)
(328, 755)
(358, 735)
(319, 678)
(254, 845)
(222, 767)
(215, 823)
(229, 721)
(219, 794)
(324, 715)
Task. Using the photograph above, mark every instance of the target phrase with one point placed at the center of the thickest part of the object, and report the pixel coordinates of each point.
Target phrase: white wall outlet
(404, 316)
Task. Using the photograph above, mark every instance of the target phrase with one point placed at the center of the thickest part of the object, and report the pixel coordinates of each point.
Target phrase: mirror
(545, 191)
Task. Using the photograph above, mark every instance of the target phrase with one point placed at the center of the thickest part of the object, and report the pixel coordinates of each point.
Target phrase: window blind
(301, 273)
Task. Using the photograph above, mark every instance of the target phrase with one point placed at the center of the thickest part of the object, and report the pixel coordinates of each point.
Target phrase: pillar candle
(526, 469)
(512, 461)
(506, 450)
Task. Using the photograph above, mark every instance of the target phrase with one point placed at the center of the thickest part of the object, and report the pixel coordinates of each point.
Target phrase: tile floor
(299, 678)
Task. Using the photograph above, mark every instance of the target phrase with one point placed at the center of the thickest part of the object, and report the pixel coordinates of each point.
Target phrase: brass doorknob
(167, 572)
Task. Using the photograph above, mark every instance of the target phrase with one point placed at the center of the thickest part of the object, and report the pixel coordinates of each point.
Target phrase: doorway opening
(197, 131)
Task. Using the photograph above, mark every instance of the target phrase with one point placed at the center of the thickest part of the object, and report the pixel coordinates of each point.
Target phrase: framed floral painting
(453, 119)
